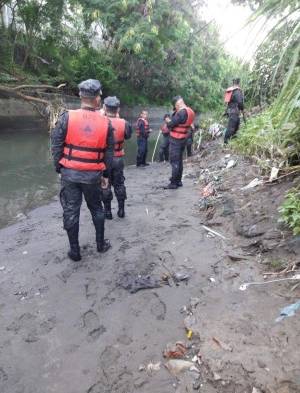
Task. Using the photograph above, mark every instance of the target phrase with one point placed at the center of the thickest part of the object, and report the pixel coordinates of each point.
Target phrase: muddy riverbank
(68, 327)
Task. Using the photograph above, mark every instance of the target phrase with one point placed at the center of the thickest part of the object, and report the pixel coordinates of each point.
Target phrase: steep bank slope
(69, 327)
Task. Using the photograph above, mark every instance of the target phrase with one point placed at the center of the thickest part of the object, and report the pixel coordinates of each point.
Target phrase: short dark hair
(166, 115)
(236, 81)
(112, 109)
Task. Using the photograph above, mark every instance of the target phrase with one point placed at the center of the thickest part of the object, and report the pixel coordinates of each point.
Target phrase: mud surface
(72, 327)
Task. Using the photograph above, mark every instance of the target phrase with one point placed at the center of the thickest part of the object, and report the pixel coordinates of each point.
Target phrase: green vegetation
(144, 51)
(290, 210)
(273, 136)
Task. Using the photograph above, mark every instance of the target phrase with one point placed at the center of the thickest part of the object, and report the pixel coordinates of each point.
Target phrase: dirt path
(71, 328)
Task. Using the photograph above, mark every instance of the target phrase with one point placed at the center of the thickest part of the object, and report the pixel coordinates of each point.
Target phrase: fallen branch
(39, 87)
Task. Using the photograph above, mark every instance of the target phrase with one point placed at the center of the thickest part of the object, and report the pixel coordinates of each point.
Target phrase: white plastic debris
(255, 182)
(274, 173)
(245, 286)
(2, 268)
(25, 252)
(211, 279)
(230, 164)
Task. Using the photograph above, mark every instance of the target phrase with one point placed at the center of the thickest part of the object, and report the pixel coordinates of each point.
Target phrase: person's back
(234, 98)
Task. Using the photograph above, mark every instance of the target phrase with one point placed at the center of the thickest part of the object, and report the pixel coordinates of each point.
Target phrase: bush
(290, 210)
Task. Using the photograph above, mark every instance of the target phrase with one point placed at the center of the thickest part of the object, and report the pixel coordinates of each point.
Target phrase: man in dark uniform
(234, 98)
(122, 131)
(82, 149)
(182, 119)
(164, 147)
(142, 134)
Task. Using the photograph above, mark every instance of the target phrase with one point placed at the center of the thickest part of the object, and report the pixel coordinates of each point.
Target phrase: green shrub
(290, 210)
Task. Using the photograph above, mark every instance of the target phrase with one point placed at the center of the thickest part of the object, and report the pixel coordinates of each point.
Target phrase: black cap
(166, 115)
(90, 88)
(112, 102)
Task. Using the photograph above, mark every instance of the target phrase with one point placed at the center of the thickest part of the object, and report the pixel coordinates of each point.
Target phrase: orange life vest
(229, 92)
(181, 130)
(85, 141)
(119, 126)
(146, 126)
(164, 129)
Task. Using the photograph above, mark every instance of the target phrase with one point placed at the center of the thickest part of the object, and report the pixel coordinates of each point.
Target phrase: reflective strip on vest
(181, 131)
(119, 126)
(85, 141)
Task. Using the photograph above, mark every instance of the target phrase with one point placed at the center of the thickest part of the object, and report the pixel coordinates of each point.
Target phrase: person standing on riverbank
(142, 134)
(164, 147)
(234, 98)
(122, 131)
(82, 149)
(182, 119)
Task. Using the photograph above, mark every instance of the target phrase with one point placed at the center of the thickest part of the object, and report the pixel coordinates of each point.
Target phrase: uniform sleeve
(58, 136)
(109, 152)
(128, 130)
(178, 118)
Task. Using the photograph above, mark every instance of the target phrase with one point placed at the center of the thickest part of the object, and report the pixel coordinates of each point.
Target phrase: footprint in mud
(124, 339)
(30, 328)
(3, 375)
(158, 308)
(92, 325)
(90, 288)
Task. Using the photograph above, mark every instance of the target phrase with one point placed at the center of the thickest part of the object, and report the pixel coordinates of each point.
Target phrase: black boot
(102, 244)
(107, 210)
(74, 252)
(121, 210)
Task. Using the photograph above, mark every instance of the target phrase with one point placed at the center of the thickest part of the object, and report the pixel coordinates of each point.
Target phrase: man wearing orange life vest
(182, 119)
(82, 149)
(122, 131)
(234, 99)
(142, 133)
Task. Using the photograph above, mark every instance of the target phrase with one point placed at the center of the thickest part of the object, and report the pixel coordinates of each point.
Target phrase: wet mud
(72, 327)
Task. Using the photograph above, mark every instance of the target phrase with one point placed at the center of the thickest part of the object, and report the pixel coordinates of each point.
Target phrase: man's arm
(109, 151)
(239, 98)
(58, 136)
(179, 118)
(128, 130)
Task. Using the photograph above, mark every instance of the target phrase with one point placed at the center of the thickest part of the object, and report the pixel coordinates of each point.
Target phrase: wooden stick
(214, 232)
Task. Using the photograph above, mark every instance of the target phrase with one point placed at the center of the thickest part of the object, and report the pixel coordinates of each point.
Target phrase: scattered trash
(194, 302)
(150, 368)
(175, 351)
(25, 252)
(211, 279)
(288, 311)
(189, 322)
(227, 155)
(208, 190)
(223, 345)
(197, 384)
(214, 232)
(216, 130)
(2, 268)
(181, 275)
(255, 390)
(134, 283)
(189, 334)
(217, 377)
(230, 164)
(176, 366)
(147, 211)
(244, 286)
(274, 174)
(255, 182)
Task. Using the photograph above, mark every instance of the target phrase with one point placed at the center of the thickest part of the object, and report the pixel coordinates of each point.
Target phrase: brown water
(27, 176)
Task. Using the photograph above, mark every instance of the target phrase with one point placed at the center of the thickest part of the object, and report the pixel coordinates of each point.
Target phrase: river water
(27, 177)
